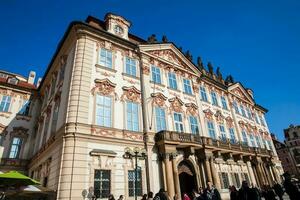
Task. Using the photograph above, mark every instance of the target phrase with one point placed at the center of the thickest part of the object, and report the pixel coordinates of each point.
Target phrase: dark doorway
(187, 178)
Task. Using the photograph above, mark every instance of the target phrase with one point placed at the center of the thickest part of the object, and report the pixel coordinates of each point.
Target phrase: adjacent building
(106, 90)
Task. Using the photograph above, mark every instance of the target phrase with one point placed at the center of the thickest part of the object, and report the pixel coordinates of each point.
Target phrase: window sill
(158, 84)
(176, 90)
(104, 68)
(192, 95)
(5, 114)
(131, 76)
(23, 117)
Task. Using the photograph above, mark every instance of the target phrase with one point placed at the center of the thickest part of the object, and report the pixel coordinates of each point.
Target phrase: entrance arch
(187, 178)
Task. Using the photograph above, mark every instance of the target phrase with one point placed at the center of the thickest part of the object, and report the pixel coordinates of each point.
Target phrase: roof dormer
(117, 25)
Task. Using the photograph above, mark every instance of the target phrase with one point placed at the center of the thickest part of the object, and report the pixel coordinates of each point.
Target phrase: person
(278, 190)
(244, 192)
(161, 195)
(150, 195)
(233, 193)
(121, 197)
(211, 193)
(186, 197)
(255, 193)
(195, 194)
(290, 188)
(111, 197)
(270, 193)
(144, 197)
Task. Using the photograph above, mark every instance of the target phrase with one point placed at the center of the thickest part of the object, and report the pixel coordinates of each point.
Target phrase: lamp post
(136, 153)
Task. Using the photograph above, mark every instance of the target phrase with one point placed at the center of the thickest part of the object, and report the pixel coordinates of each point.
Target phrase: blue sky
(258, 42)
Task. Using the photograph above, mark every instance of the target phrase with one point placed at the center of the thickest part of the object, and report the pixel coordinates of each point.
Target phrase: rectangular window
(224, 103)
(25, 108)
(102, 183)
(194, 125)
(252, 141)
(232, 136)
(15, 148)
(236, 108)
(130, 66)
(246, 177)
(237, 179)
(132, 111)
(187, 86)
(224, 180)
(103, 111)
(62, 73)
(203, 94)
(258, 141)
(105, 58)
(131, 183)
(256, 118)
(249, 113)
(46, 129)
(53, 84)
(223, 133)
(214, 99)
(211, 130)
(270, 145)
(54, 119)
(262, 121)
(178, 122)
(5, 103)
(160, 117)
(243, 111)
(1, 140)
(172, 80)
(156, 78)
(244, 135)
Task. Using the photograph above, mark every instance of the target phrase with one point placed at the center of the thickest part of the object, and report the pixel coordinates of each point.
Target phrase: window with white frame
(232, 135)
(262, 121)
(258, 141)
(15, 147)
(236, 108)
(156, 77)
(160, 118)
(211, 129)
(25, 108)
(223, 132)
(243, 111)
(252, 141)
(53, 84)
(203, 94)
(194, 125)
(224, 180)
(245, 140)
(105, 58)
(131, 183)
(249, 114)
(256, 118)
(270, 145)
(103, 110)
(54, 119)
(224, 103)
(214, 98)
(62, 73)
(5, 103)
(130, 66)
(102, 183)
(132, 110)
(187, 86)
(266, 145)
(172, 80)
(46, 127)
(178, 122)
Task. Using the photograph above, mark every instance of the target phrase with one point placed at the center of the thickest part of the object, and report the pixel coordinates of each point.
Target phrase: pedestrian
(211, 193)
(270, 193)
(290, 188)
(244, 192)
(161, 195)
(186, 197)
(150, 195)
(144, 197)
(233, 193)
(111, 197)
(278, 190)
(121, 197)
(254, 193)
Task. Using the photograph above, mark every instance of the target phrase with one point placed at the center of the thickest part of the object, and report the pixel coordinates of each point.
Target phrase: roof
(20, 83)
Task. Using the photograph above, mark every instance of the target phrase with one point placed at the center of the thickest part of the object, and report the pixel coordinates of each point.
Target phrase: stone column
(261, 174)
(169, 176)
(267, 174)
(207, 170)
(258, 181)
(275, 174)
(214, 174)
(176, 178)
(250, 172)
(202, 173)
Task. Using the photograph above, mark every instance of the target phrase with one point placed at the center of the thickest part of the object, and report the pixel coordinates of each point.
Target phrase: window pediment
(104, 87)
(131, 93)
(176, 104)
(219, 116)
(19, 132)
(208, 114)
(158, 99)
(191, 109)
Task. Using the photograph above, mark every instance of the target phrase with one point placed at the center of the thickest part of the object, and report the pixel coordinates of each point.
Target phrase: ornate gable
(239, 91)
(158, 99)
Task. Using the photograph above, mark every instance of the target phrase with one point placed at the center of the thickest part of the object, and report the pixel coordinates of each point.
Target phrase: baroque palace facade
(106, 89)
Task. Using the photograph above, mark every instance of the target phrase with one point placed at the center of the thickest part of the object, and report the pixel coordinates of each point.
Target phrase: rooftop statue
(152, 39)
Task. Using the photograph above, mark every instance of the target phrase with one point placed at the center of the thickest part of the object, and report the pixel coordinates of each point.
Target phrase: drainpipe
(144, 116)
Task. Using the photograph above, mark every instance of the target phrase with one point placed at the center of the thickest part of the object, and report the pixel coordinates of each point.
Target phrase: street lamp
(136, 153)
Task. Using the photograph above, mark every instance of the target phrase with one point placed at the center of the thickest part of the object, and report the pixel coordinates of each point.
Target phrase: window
(224, 180)
(249, 114)
(244, 135)
(232, 135)
(160, 117)
(243, 111)
(156, 78)
(172, 80)
(5, 103)
(214, 98)
(54, 119)
(25, 108)
(15, 148)
(237, 179)
(258, 141)
(187, 86)
(194, 125)
(62, 73)
(53, 84)
(45, 98)
(236, 108)
(3, 75)
(178, 122)
(103, 111)
(132, 116)
(1, 140)
(252, 141)
(245, 177)
(13, 81)
(130, 66)
(105, 58)
(46, 129)
(224, 103)
(102, 183)
(211, 130)
(203, 94)
(270, 145)
(262, 121)
(256, 118)
(223, 133)
(131, 182)
(45, 181)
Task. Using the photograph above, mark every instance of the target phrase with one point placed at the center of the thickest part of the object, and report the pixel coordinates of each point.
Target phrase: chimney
(38, 82)
(31, 77)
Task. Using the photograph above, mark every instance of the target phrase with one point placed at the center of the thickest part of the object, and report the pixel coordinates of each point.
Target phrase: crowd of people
(245, 192)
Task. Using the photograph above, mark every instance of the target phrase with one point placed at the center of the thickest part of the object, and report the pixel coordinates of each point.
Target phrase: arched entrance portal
(187, 178)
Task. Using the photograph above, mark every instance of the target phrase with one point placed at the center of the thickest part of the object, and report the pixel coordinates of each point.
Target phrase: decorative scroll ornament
(208, 114)
(191, 109)
(20, 132)
(158, 99)
(57, 97)
(219, 117)
(242, 124)
(104, 87)
(196, 88)
(176, 104)
(131, 93)
(229, 121)
(146, 69)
